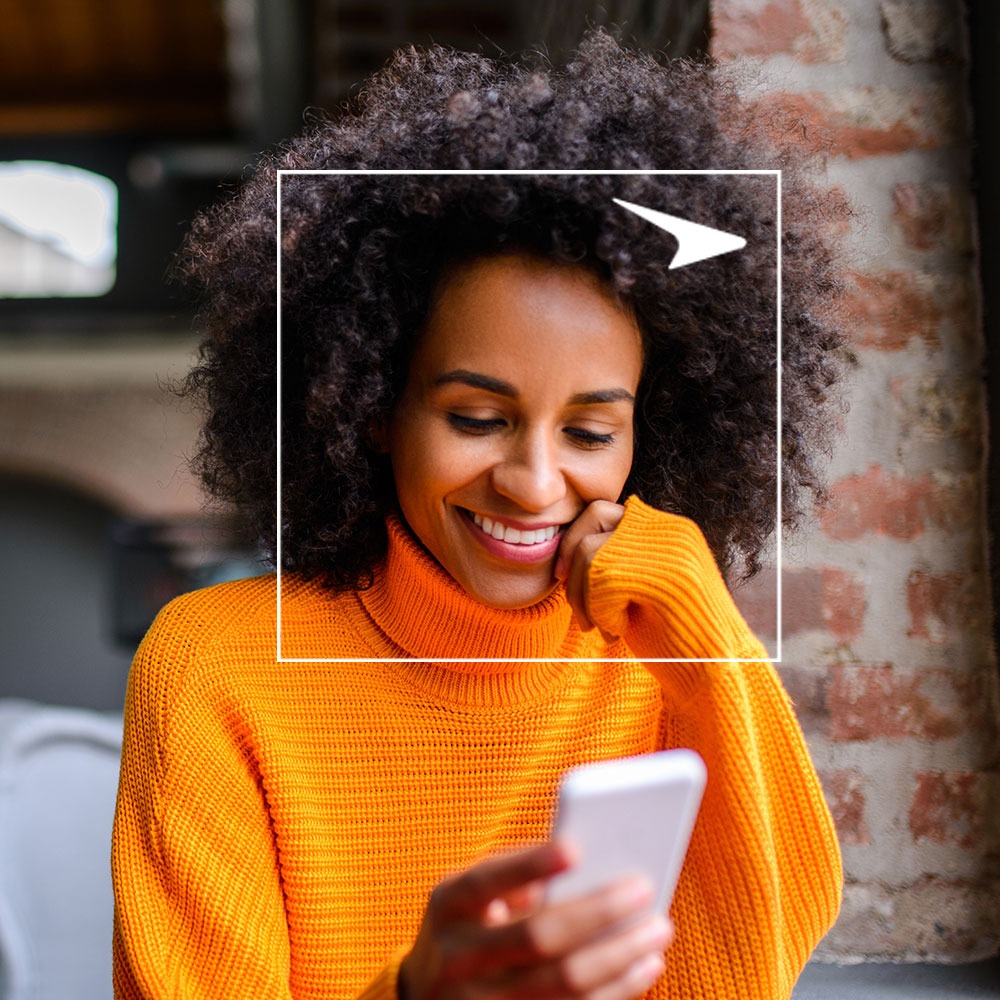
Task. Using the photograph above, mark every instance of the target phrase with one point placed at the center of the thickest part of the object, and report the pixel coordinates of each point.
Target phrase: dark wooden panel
(71, 66)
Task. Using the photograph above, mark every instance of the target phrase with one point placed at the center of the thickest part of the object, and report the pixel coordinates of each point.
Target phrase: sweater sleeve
(199, 911)
(763, 875)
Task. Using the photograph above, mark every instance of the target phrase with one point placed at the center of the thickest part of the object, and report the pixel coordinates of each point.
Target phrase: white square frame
(533, 173)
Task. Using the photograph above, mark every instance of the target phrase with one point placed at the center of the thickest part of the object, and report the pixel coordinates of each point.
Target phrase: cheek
(618, 477)
(428, 464)
(602, 480)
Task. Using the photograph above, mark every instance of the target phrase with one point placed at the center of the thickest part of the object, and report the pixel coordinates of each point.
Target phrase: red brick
(756, 600)
(811, 30)
(801, 600)
(880, 701)
(932, 217)
(887, 311)
(922, 32)
(827, 599)
(846, 798)
(807, 690)
(866, 121)
(947, 808)
(844, 603)
(944, 606)
(877, 503)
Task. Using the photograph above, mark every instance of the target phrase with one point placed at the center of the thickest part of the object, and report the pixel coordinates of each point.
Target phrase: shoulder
(202, 622)
(239, 614)
(216, 645)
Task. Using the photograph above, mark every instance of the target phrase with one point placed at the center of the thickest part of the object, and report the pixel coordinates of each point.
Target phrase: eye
(589, 439)
(475, 425)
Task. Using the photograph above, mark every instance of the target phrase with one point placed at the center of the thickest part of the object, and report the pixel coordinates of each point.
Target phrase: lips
(514, 544)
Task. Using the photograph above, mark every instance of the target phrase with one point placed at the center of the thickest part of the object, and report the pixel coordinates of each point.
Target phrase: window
(58, 231)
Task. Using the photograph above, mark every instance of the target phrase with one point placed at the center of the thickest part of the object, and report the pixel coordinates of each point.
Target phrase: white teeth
(514, 536)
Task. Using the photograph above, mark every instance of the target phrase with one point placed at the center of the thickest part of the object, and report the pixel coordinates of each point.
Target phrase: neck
(424, 612)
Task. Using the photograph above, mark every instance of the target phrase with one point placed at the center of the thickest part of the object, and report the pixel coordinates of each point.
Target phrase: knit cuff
(655, 584)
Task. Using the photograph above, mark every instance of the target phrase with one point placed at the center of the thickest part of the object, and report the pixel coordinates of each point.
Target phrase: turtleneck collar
(427, 614)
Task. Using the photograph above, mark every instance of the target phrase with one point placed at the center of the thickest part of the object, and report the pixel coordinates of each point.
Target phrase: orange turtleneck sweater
(279, 825)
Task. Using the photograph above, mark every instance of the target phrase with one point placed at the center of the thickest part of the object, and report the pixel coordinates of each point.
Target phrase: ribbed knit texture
(279, 825)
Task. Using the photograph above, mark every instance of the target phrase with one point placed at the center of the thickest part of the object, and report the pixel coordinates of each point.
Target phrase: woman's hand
(488, 933)
(579, 546)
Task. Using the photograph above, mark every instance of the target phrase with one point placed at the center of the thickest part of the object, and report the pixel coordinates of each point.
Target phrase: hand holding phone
(630, 816)
(604, 944)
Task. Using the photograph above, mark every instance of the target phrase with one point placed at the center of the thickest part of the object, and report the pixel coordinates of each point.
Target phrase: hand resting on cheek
(582, 540)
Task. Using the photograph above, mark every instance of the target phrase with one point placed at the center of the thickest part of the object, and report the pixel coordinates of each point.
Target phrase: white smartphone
(631, 816)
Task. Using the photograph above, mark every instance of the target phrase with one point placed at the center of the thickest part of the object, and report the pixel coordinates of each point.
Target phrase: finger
(578, 579)
(600, 964)
(516, 904)
(553, 932)
(468, 894)
(599, 517)
(577, 586)
(497, 912)
(524, 900)
(640, 977)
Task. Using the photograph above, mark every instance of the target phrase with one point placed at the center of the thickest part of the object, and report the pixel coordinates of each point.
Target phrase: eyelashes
(481, 427)
(590, 438)
(474, 425)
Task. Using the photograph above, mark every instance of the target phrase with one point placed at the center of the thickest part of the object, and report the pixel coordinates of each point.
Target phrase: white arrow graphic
(694, 241)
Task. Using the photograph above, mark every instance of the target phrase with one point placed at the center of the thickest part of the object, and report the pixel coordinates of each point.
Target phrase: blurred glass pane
(58, 231)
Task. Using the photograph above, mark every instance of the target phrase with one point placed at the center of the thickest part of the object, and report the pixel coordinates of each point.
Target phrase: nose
(529, 474)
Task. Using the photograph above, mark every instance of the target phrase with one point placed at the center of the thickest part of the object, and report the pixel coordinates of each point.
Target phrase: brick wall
(887, 617)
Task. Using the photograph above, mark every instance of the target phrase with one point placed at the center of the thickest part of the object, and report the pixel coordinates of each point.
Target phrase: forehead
(524, 306)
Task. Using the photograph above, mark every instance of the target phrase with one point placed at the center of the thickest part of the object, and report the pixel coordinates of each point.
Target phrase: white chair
(58, 781)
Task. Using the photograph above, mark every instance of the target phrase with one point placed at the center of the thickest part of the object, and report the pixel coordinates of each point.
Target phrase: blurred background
(120, 118)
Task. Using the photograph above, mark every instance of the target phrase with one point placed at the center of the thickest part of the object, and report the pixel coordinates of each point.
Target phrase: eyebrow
(495, 385)
(477, 381)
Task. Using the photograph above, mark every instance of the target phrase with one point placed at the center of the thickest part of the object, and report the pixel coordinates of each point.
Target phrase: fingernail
(656, 933)
(634, 894)
(566, 852)
(649, 968)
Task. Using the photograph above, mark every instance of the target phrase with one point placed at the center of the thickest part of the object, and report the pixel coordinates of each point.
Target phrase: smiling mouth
(513, 536)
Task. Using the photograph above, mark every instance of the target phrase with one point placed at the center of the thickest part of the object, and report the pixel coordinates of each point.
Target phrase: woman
(515, 450)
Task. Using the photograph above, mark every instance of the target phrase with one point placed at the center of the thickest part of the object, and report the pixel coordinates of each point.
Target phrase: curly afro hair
(361, 255)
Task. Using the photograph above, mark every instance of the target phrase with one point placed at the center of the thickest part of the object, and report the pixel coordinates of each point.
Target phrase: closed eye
(589, 439)
(485, 425)
(475, 425)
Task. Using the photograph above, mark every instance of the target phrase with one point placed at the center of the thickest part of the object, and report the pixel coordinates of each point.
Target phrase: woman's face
(516, 414)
